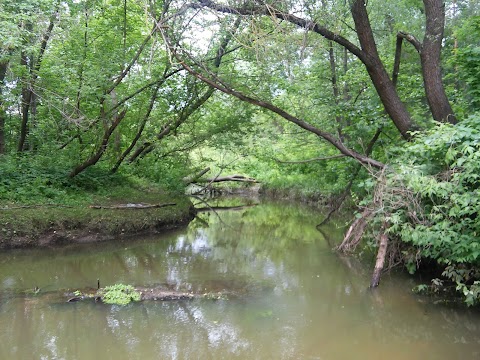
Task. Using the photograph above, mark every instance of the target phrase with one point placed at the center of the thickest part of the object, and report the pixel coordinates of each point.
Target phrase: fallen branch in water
(131, 206)
(381, 254)
(240, 178)
(355, 231)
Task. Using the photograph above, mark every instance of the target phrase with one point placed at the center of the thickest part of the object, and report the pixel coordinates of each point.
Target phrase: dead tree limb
(224, 208)
(194, 177)
(381, 255)
(132, 206)
(355, 231)
(339, 156)
(239, 178)
(347, 189)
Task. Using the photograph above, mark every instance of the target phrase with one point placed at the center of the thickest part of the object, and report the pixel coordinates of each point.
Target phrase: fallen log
(131, 206)
(140, 294)
(239, 178)
(381, 254)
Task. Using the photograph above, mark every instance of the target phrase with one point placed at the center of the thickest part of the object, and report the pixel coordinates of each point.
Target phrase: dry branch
(333, 157)
(239, 178)
(194, 177)
(131, 206)
(355, 232)
(381, 255)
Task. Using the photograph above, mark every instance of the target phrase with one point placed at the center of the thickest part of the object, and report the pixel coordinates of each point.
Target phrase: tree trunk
(127, 151)
(101, 149)
(430, 59)
(25, 60)
(367, 53)
(3, 72)
(27, 91)
(379, 76)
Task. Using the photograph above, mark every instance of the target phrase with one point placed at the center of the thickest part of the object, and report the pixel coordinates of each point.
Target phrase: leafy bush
(431, 201)
(41, 179)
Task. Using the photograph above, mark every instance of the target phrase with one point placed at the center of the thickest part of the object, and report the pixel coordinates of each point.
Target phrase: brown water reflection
(295, 299)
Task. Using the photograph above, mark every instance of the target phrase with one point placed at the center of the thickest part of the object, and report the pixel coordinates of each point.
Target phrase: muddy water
(292, 298)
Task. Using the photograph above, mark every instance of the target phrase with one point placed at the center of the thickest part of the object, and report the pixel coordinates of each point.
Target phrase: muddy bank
(40, 226)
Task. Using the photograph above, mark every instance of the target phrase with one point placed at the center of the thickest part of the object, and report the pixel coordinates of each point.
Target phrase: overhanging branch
(267, 10)
(311, 160)
(216, 83)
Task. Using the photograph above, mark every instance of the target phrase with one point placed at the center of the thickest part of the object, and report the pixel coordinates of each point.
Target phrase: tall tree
(32, 66)
(368, 54)
(3, 113)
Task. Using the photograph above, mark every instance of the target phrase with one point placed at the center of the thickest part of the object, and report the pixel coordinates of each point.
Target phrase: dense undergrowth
(428, 202)
(38, 199)
(43, 179)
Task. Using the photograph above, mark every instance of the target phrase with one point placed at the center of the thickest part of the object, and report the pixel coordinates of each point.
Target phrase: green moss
(119, 294)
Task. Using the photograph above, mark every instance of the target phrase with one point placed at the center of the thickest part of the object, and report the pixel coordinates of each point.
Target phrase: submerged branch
(381, 255)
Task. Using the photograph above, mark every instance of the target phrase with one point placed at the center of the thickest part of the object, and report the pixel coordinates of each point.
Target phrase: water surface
(292, 298)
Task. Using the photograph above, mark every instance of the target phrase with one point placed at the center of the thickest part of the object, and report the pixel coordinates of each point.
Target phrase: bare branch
(311, 160)
(216, 83)
(411, 39)
(268, 10)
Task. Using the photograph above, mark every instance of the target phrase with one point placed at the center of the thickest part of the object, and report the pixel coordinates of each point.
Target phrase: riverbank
(139, 212)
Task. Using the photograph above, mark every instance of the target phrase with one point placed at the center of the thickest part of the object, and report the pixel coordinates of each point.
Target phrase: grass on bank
(37, 198)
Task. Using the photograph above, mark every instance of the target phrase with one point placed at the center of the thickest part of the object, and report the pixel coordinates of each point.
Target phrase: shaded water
(294, 298)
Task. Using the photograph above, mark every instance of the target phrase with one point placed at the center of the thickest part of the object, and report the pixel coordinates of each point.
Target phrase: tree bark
(376, 70)
(3, 72)
(194, 177)
(28, 88)
(101, 149)
(380, 262)
(127, 151)
(147, 147)
(287, 116)
(430, 58)
(239, 178)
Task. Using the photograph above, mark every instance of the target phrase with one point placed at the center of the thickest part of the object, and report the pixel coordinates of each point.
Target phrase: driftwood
(240, 178)
(381, 255)
(153, 294)
(131, 206)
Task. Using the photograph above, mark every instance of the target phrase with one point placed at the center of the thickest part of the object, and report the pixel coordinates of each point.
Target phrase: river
(290, 297)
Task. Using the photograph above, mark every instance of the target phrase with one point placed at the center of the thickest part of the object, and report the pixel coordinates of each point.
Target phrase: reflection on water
(292, 298)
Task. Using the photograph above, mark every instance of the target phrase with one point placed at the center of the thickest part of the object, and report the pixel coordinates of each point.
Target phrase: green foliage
(119, 294)
(43, 179)
(431, 202)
